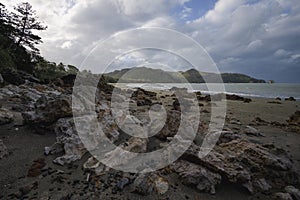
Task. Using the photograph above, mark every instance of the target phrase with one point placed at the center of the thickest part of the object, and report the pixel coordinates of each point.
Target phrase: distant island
(150, 75)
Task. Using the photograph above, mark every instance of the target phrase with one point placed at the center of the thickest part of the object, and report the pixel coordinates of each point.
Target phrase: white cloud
(237, 33)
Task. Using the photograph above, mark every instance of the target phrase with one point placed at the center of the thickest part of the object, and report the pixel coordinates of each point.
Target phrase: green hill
(149, 75)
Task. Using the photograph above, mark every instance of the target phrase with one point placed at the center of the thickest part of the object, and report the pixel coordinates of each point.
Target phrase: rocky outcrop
(255, 167)
(197, 176)
(67, 142)
(48, 110)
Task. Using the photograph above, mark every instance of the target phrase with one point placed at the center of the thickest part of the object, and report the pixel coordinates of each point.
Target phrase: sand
(25, 146)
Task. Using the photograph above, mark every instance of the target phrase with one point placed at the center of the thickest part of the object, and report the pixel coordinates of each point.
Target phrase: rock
(228, 136)
(171, 126)
(282, 196)
(49, 110)
(197, 176)
(253, 132)
(235, 121)
(3, 150)
(146, 184)
(290, 99)
(247, 100)
(91, 164)
(294, 122)
(245, 163)
(234, 97)
(6, 116)
(294, 192)
(278, 99)
(259, 121)
(67, 137)
(27, 189)
(122, 183)
(262, 185)
(36, 168)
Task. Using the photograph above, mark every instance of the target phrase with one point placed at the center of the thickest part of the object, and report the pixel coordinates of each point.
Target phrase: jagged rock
(227, 136)
(245, 163)
(134, 145)
(294, 192)
(290, 99)
(171, 126)
(122, 183)
(197, 176)
(249, 130)
(234, 97)
(262, 185)
(49, 110)
(67, 137)
(143, 97)
(5, 116)
(146, 184)
(282, 196)
(3, 150)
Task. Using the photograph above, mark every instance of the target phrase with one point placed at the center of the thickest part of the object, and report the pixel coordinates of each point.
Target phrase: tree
(24, 22)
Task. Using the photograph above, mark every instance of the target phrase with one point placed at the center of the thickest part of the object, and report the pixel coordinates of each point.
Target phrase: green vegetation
(18, 44)
(148, 75)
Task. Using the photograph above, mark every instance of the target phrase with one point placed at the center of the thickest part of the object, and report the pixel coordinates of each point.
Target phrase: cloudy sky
(260, 38)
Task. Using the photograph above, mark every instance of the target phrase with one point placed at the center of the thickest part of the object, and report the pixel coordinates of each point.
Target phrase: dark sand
(25, 146)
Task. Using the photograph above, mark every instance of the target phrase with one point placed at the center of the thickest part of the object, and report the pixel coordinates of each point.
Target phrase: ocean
(259, 90)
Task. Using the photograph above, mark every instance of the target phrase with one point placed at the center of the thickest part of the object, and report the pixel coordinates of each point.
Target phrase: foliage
(46, 70)
(148, 75)
(24, 21)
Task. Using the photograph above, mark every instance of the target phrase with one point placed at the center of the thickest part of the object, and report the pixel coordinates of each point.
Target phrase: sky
(260, 38)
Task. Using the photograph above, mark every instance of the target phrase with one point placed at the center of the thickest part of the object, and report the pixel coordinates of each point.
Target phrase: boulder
(245, 163)
(49, 110)
(197, 176)
(290, 99)
(146, 184)
(5, 116)
(294, 192)
(69, 140)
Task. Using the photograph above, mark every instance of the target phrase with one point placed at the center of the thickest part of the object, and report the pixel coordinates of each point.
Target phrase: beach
(26, 146)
